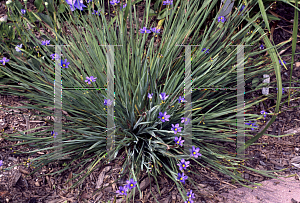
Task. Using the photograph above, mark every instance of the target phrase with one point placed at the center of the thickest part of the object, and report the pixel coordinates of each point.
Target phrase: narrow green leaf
(39, 5)
(61, 8)
(46, 19)
(263, 13)
(294, 43)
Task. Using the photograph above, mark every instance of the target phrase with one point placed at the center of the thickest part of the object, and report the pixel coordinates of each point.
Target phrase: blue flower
(123, 6)
(183, 164)
(263, 112)
(163, 116)
(88, 1)
(185, 120)
(195, 152)
(168, 2)
(17, 48)
(131, 183)
(282, 62)
(282, 90)
(222, 19)
(107, 102)
(75, 4)
(155, 30)
(96, 12)
(53, 56)
(182, 177)
(181, 99)
(122, 190)
(163, 96)
(150, 95)
(261, 46)
(190, 194)
(23, 11)
(252, 125)
(176, 128)
(204, 50)
(45, 42)
(242, 8)
(178, 141)
(114, 2)
(65, 64)
(90, 79)
(1, 162)
(189, 201)
(54, 134)
(144, 30)
(4, 60)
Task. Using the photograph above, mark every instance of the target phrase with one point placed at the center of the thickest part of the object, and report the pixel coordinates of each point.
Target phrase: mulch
(268, 153)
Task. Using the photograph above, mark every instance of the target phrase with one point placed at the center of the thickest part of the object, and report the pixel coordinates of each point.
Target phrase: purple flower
(122, 190)
(222, 19)
(17, 48)
(189, 201)
(183, 164)
(282, 90)
(4, 60)
(176, 128)
(168, 2)
(75, 4)
(261, 47)
(144, 30)
(243, 6)
(114, 2)
(252, 125)
(54, 134)
(96, 12)
(107, 102)
(263, 112)
(182, 177)
(131, 183)
(65, 64)
(190, 194)
(163, 96)
(123, 6)
(88, 1)
(150, 95)
(185, 120)
(23, 11)
(45, 42)
(204, 50)
(155, 30)
(163, 116)
(178, 141)
(181, 99)
(53, 56)
(195, 152)
(90, 79)
(282, 62)
(1, 162)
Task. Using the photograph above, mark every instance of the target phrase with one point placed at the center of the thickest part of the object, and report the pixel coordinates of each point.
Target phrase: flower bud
(46, 3)
(8, 2)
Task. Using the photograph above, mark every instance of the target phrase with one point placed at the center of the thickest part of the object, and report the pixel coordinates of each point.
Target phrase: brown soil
(269, 153)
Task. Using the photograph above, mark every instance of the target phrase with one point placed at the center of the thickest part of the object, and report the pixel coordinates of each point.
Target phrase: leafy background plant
(143, 142)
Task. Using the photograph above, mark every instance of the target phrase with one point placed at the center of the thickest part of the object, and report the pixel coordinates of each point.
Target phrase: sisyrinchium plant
(149, 92)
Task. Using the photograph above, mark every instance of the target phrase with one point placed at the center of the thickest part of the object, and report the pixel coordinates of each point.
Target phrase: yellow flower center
(194, 152)
(175, 129)
(64, 65)
(180, 178)
(131, 185)
(122, 191)
(183, 165)
(177, 142)
(163, 117)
